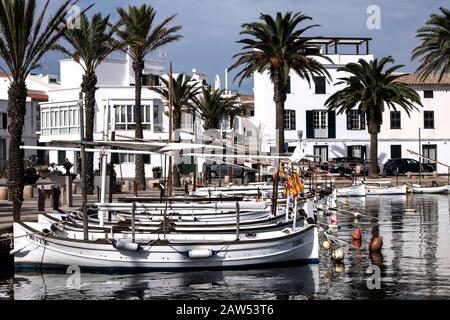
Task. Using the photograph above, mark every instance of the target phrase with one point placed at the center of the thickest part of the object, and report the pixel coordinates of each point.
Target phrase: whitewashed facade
(38, 86)
(329, 135)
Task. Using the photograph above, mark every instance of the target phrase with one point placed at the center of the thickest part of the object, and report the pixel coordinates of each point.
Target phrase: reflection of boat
(353, 191)
(438, 189)
(35, 246)
(379, 189)
(272, 283)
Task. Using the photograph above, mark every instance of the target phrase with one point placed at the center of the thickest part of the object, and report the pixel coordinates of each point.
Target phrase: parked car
(226, 170)
(402, 165)
(348, 166)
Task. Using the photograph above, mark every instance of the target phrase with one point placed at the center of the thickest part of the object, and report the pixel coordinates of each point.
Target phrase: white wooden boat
(57, 222)
(34, 248)
(385, 190)
(430, 190)
(353, 191)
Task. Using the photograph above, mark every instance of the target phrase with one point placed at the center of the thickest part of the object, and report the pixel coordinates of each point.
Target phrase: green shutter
(331, 124)
(309, 124)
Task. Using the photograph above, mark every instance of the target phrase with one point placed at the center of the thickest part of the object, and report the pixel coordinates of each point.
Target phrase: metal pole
(112, 160)
(287, 205)
(294, 218)
(170, 176)
(420, 159)
(237, 220)
(101, 213)
(220, 164)
(83, 170)
(133, 222)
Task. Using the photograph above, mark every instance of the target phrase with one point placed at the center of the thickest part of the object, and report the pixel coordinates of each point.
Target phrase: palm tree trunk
(139, 172)
(373, 169)
(88, 88)
(279, 97)
(17, 94)
(176, 118)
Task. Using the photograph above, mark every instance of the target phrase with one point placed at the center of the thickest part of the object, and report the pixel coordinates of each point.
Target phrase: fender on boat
(199, 253)
(125, 245)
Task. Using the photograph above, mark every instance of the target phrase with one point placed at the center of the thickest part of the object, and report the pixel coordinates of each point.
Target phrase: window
(61, 156)
(428, 94)
(126, 158)
(289, 120)
(4, 120)
(428, 119)
(396, 151)
(356, 120)
(395, 120)
(320, 84)
(312, 51)
(2, 153)
(430, 151)
(319, 119)
(321, 152)
(150, 80)
(125, 117)
(356, 151)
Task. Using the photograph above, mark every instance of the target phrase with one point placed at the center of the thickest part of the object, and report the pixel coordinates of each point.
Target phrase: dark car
(348, 166)
(397, 166)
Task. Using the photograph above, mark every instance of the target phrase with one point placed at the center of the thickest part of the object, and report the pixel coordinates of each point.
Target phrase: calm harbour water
(414, 264)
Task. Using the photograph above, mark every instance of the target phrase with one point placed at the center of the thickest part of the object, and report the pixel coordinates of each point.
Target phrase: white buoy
(199, 253)
(338, 254)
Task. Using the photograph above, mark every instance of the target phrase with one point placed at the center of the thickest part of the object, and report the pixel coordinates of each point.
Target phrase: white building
(115, 95)
(38, 86)
(329, 135)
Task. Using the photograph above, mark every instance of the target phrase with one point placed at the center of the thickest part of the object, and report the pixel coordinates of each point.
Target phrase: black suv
(396, 166)
(348, 165)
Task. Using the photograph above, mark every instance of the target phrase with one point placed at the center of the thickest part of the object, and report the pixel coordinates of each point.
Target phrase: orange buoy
(356, 235)
(376, 243)
(356, 243)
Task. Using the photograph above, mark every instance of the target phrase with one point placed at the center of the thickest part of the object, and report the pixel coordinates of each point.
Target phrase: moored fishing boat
(385, 190)
(430, 190)
(37, 247)
(353, 191)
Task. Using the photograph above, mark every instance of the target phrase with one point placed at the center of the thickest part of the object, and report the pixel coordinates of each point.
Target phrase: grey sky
(211, 27)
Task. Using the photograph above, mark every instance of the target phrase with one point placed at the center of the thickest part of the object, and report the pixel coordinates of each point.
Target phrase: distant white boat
(429, 190)
(353, 191)
(385, 190)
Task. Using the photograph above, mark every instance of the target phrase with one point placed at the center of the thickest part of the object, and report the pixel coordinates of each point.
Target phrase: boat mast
(83, 169)
(170, 175)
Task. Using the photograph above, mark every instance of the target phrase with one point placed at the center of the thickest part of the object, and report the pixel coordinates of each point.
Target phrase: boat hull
(399, 190)
(34, 249)
(431, 190)
(353, 191)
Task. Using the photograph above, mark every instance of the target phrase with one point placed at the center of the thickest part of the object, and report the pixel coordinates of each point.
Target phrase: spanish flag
(297, 185)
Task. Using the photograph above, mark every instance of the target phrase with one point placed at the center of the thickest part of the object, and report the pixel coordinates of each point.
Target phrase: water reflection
(276, 283)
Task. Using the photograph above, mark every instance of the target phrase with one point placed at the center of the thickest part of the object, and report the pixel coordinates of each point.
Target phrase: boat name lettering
(297, 242)
(37, 239)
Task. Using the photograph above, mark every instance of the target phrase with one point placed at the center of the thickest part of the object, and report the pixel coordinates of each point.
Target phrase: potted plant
(157, 172)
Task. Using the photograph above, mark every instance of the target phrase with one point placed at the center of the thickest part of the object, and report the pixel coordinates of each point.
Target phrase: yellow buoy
(326, 245)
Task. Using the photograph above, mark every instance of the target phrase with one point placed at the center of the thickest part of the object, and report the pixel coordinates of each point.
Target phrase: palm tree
(140, 37)
(91, 44)
(369, 88)
(213, 106)
(434, 52)
(184, 91)
(24, 39)
(277, 46)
